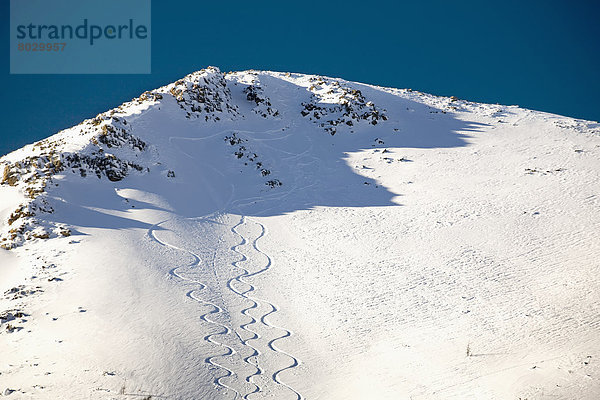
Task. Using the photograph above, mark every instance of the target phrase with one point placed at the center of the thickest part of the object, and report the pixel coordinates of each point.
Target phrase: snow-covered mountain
(259, 235)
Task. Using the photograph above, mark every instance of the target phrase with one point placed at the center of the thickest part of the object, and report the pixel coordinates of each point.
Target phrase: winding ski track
(255, 302)
(245, 311)
(287, 333)
(215, 310)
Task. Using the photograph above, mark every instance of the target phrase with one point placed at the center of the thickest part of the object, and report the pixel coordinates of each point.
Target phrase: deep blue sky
(543, 55)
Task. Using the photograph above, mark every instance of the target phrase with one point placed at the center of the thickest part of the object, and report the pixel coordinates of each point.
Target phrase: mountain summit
(259, 234)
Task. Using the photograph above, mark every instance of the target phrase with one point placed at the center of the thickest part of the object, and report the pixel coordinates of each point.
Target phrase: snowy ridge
(111, 152)
(105, 147)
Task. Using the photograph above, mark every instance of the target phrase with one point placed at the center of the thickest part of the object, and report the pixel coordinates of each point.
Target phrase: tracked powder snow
(257, 235)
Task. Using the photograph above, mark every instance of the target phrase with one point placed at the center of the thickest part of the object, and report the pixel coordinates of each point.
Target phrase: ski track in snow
(288, 333)
(255, 303)
(245, 326)
(215, 310)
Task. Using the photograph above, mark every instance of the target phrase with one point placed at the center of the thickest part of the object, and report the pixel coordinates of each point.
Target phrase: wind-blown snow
(272, 235)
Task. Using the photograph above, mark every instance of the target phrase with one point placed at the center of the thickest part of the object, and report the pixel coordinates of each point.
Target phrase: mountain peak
(222, 236)
(245, 110)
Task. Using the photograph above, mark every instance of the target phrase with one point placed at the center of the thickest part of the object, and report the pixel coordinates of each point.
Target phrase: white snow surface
(451, 250)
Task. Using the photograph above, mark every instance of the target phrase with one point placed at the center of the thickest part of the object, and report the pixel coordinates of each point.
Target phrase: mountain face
(276, 235)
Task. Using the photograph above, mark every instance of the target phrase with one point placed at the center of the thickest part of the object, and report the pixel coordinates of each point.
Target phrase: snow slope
(260, 235)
